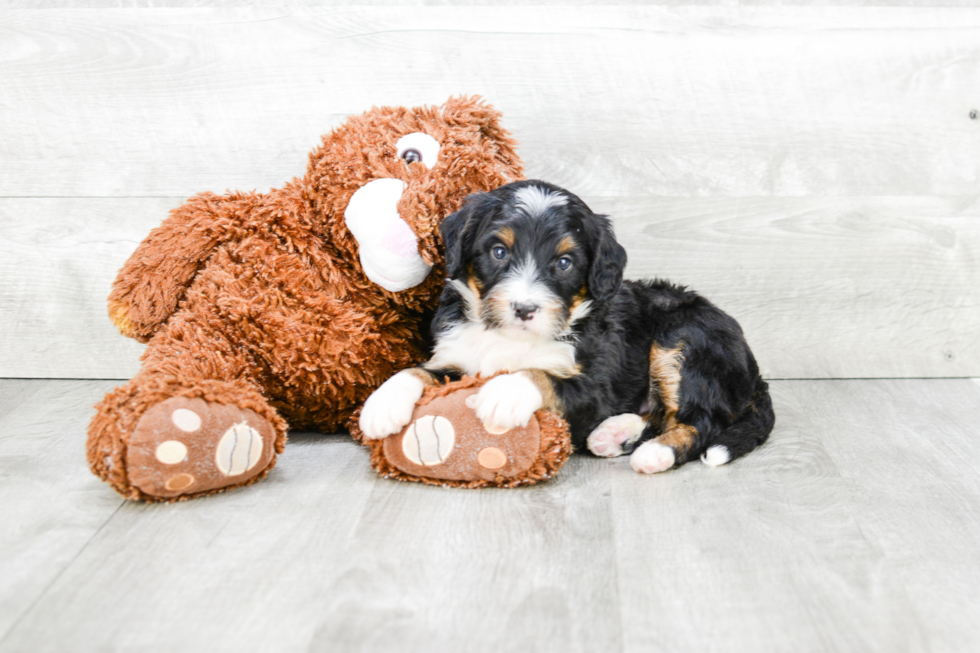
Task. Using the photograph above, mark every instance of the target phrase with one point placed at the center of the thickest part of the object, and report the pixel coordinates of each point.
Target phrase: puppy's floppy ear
(608, 262)
(456, 230)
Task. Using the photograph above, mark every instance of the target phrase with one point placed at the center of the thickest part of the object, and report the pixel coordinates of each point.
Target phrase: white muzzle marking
(522, 286)
(389, 250)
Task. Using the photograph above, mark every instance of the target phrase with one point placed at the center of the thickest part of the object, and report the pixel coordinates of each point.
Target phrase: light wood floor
(856, 528)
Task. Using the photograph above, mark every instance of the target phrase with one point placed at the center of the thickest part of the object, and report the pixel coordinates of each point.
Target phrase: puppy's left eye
(499, 253)
(564, 263)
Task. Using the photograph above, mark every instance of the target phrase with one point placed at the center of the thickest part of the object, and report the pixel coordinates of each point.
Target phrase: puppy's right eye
(499, 252)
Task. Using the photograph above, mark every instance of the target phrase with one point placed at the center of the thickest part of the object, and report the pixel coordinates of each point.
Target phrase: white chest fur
(475, 349)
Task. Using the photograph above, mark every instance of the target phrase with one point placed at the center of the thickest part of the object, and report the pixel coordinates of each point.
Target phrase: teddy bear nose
(399, 239)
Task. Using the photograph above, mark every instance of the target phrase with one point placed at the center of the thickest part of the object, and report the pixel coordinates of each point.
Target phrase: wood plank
(239, 571)
(924, 519)
(852, 529)
(492, 570)
(824, 287)
(321, 556)
(114, 4)
(669, 101)
(831, 287)
(61, 258)
(50, 507)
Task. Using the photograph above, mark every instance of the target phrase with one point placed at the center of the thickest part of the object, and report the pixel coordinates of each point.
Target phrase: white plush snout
(388, 248)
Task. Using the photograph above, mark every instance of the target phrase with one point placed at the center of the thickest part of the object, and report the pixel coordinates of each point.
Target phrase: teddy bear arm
(153, 280)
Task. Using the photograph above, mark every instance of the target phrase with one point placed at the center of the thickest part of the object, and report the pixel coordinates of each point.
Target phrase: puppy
(536, 292)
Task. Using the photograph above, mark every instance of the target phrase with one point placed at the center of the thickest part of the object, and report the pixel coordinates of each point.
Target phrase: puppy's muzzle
(525, 310)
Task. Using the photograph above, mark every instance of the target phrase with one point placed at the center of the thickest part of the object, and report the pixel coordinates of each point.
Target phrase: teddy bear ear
(471, 109)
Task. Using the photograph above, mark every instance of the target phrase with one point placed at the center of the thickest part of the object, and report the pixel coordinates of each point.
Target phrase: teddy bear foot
(185, 446)
(447, 444)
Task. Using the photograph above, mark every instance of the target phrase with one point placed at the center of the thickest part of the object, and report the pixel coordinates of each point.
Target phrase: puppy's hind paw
(716, 455)
(652, 457)
(608, 438)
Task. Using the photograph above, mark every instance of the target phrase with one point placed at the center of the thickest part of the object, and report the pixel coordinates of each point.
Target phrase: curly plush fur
(260, 300)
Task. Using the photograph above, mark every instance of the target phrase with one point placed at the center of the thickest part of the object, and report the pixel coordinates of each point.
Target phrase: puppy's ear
(456, 230)
(608, 262)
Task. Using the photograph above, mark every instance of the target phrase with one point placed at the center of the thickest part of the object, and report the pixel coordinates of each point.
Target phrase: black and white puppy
(536, 290)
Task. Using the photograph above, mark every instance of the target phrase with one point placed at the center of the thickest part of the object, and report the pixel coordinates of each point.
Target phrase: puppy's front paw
(390, 407)
(608, 438)
(506, 402)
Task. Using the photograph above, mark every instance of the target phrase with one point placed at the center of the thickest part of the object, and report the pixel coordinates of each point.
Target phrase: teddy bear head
(384, 180)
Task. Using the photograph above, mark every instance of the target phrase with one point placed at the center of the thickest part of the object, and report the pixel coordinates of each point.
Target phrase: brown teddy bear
(289, 305)
(445, 443)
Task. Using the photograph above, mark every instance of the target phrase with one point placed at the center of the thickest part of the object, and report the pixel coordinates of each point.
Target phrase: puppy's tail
(751, 429)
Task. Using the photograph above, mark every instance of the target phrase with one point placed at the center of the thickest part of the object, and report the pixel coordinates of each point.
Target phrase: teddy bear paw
(185, 446)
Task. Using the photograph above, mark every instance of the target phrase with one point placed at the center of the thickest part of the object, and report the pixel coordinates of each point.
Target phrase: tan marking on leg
(680, 437)
(665, 377)
(665, 370)
(546, 387)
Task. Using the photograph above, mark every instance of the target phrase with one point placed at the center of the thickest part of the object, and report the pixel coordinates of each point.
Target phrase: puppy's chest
(473, 349)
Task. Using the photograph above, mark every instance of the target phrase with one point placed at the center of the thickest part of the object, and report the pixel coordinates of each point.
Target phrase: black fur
(721, 393)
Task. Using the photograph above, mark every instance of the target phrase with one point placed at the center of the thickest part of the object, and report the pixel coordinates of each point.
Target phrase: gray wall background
(811, 168)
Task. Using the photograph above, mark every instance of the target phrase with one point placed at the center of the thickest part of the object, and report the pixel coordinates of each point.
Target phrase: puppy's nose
(525, 311)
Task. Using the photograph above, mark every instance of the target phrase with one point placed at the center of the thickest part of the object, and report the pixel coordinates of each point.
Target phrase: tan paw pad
(179, 482)
(186, 420)
(171, 452)
(429, 440)
(492, 458)
(238, 450)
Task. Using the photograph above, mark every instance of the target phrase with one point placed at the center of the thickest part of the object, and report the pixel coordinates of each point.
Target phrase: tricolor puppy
(536, 290)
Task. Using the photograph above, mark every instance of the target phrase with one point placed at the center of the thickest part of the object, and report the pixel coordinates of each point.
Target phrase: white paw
(507, 401)
(652, 457)
(390, 407)
(608, 438)
(717, 454)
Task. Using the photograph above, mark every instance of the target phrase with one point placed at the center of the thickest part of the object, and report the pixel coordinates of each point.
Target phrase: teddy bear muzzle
(388, 248)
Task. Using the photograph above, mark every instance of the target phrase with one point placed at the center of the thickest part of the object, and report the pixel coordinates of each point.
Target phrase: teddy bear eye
(499, 252)
(418, 147)
(564, 263)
